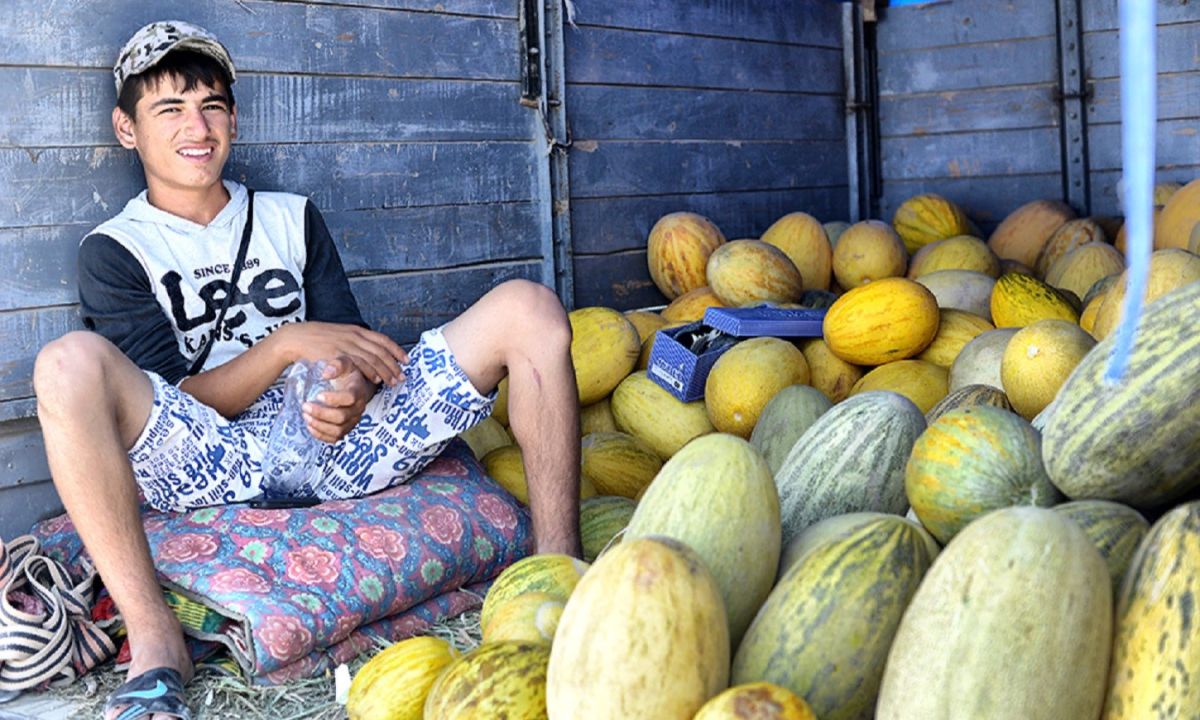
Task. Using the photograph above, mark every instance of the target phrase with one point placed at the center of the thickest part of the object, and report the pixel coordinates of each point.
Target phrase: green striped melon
(644, 637)
(717, 496)
(551, 573)
(601, 518)
(825, 630)
(1115, 529)
(1156, 645)
(784, 419)
(972, 461)
(850, 460)
(498, 680)
(968, 396)
(1014, 620)
(834, 528)
(1135, 441)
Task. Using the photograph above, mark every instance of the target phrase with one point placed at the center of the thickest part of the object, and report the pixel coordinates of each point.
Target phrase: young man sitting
(163, 397)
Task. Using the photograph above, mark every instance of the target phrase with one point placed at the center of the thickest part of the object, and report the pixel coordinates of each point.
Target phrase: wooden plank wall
(1177, 149)
(400, 118)
(967, 104)
(732, 109)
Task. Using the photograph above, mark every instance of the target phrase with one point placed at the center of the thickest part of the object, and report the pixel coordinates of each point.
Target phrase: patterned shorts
(189, 456)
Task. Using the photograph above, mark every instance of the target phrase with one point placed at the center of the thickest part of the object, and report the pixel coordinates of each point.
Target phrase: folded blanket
(306, 587)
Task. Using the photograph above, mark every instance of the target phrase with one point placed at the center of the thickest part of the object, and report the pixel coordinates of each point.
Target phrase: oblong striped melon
(1115, 529)
(716, 495)
(1156, 648)
(851, 460)
(1134, 441)
(1014, 620)
(825, 630)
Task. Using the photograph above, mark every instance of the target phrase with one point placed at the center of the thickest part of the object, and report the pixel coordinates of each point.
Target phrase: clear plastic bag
(289, 461)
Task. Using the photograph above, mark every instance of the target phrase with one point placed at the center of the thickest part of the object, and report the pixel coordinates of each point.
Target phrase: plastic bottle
(291, 450)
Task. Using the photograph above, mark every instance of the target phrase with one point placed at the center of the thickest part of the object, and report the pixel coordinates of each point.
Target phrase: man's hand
(338, 410)
(373, 354)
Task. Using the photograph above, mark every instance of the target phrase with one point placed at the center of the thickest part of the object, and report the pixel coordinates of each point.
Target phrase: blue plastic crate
(766, 321)
(678, 370)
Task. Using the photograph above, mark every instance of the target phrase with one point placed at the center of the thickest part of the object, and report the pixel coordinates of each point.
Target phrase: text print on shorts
(189, 456)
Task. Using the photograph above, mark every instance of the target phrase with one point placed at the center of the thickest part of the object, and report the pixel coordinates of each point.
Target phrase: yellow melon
(802, 238)
(756, 701)
(647, 348)
(1173, 228)
(1026, 230)
(834, 230)
(1080, 268)
(677, 251)
(749, 272)
(882, 321)
(496, 680)
(829, 373)
(618, 463)
(500, 404)
(1111, 224)
(647, 323)
(1194, 242)
(746, 377)
(868, 250)
(529, 617)
(1119, 243)
(956, 329)
(1169, 269)
(506, 466)
(553, 573)
(691, 305)
(927, 218)
(922, 382)
(1087, 318)
(645, 410)
(596, 417)
(1019, 300)
(1038, 360)
(957, 253)
(393, 684)
(485, 437)
(1069, 235)
(1164, 191)
(604, 349)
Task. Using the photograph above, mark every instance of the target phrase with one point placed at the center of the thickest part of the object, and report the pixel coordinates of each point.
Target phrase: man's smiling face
(183, 138)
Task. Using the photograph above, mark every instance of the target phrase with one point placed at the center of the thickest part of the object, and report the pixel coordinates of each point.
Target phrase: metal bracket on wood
(529, 29)
(862, 121)
(1073, 94)
(558, 142)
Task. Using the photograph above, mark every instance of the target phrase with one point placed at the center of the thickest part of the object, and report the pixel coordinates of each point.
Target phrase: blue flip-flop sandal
(158, 690)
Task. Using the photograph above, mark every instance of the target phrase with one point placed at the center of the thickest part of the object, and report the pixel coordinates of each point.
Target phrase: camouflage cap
(154, 41)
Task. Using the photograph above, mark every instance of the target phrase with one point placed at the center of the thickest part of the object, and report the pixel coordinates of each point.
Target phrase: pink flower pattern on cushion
(188, 547)
(394, 559)
(381, 543)
(498, 511)
(310, 565)
(442, 524)
(239, 580)
(285, 637)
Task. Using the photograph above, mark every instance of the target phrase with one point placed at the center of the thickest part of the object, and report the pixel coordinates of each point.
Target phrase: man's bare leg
(520, 329)
(93, 403)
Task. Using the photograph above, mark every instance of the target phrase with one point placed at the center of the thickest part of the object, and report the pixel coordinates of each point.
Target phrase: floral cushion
(297, 584)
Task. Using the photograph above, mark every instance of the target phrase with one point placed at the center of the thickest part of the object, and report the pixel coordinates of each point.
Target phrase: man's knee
(72, 363)
(536, 309)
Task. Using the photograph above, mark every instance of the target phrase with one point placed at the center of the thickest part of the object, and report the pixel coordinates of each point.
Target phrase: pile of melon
(943, 508)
